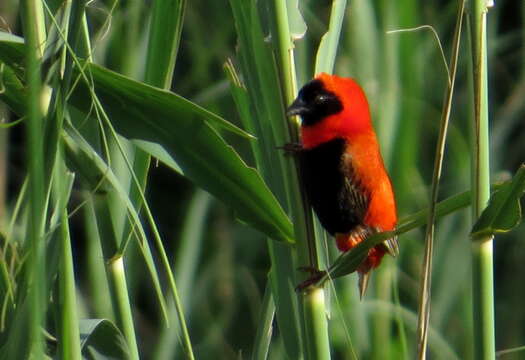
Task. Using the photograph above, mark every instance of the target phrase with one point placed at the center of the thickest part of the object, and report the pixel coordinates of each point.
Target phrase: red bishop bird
(342, 169)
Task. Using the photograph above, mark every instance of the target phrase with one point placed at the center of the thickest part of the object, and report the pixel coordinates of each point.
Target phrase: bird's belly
(324, 183)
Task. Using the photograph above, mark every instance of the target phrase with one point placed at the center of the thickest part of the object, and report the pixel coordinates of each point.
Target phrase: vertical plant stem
(317, 345)
(482, 265)
(425, 285)
(69, 339)
(284, 50)
(67, 318)
(265, 93)
(301, 213)
(117, 277)
(34, 32)
(116, 274)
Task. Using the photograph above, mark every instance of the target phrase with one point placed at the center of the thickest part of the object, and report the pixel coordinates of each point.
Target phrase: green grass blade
(287, 307)
(11, 49)
(163, 44)
(265, 117)
(216, 167)
(249, 120)
(116, 273)
(503, 213)
(144, 99)
(69, 337)
(89, 166)
(98, 284)
(158, 152)
(482, 262)
(206, 159)
(139, 100)
(295, 20)
(33, 24)
(315, 344)
(327, 50)
(100, 337)
(14, 93)
(349, 261)
(263, 337)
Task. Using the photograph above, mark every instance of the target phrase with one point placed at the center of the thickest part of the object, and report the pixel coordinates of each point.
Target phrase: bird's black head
(314, 103)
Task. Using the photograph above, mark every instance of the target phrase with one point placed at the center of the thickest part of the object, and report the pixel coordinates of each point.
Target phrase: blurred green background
(221, 266)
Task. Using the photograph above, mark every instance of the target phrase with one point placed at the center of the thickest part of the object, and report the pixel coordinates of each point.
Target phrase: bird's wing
(357, 199)
(354, 194)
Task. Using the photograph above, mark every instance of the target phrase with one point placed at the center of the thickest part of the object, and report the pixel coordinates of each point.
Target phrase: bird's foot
(315, 276)
(291, 148)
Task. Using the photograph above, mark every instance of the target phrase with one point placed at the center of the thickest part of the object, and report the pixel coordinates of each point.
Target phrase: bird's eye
(321, 98)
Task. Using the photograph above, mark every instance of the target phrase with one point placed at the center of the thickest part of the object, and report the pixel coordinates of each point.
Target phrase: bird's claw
(291, 148)
(310, 269)
(315, 276)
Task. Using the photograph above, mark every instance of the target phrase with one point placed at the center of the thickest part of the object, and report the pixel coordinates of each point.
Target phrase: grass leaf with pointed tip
(503, 212)
(195, 146)
(183, 129)
(11, 48)
(327, 51)
(101, 339)
(295, 19)
(348, 262)
(144, 101)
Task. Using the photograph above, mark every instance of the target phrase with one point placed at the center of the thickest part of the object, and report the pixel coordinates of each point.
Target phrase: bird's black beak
(298, 107)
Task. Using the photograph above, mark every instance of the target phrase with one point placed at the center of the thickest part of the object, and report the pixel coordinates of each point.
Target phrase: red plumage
(342, 168)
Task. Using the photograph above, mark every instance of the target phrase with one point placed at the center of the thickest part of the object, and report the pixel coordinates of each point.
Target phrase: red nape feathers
(353, 119)
(342, 169)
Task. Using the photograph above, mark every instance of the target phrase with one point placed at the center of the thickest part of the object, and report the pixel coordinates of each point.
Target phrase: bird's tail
(346, 242)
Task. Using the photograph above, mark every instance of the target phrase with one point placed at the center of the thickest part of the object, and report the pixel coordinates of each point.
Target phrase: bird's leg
(315, 276)
(309, 269)
(291, 148)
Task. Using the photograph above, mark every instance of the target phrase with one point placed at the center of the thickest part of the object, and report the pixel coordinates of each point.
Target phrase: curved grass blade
(325, 59)
(85, 161)
(348, 262)
(262, 111)
(11, 49)
(101, 339)
(145, 101)
(503, 212)
(190, 144)
(295, 20)
(194, 145)
(12, 91)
